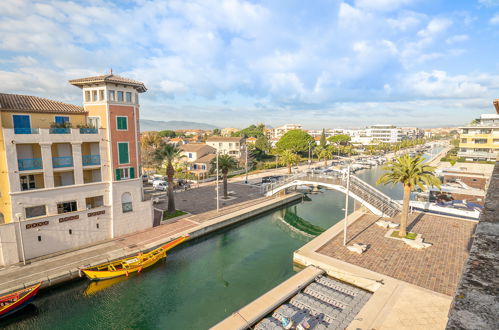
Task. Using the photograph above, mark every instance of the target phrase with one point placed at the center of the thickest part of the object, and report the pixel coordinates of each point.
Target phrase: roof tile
(29, 103)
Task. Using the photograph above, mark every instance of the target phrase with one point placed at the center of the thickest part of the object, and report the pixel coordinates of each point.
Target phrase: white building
(233, 146)
(278, 132)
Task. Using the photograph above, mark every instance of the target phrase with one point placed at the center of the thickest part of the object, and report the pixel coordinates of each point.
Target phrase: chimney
(496, 104)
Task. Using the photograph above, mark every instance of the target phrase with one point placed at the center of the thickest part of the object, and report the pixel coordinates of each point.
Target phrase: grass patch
(175, 214)
(409, 235)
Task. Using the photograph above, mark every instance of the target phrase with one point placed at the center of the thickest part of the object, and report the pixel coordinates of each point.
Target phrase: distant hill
(158, 125)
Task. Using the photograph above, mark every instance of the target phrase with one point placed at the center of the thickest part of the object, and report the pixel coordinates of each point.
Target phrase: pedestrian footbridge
(373, 199)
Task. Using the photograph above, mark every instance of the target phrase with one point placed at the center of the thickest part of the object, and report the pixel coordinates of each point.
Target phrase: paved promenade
(62, 267)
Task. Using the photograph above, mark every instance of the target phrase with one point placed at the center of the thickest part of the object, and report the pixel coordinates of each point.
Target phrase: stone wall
(476, 304)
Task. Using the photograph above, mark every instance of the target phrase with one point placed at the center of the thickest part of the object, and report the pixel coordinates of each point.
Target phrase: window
(120, 96)
(61, 119)
(93, 122)
(125, 173)
(129, 97)
(465, 131)
(94, 96)
(126, 202)
(66, 207)
(27, 182)
(87, 96)
(464, 140)
(101, 95)
(480, 141)
(190, 155)
(122, 123)
(93, 202)
(123, 155)
(111, 96)
(2, 219)
(35, 211)
(496, 141)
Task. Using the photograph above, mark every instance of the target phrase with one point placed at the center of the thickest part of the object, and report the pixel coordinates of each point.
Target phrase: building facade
(479, 141)
(69, 173)
(233, 146)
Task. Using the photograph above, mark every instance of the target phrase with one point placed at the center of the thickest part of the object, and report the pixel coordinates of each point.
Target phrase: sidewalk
(63, 267)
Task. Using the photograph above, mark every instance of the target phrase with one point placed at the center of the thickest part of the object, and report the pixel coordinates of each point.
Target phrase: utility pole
(246, 169)
(345, 224)
(309, 160)
(19, 216)
(218, 201)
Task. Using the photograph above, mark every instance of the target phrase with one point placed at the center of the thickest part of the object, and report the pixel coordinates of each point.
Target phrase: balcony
(26, 131)
(89, 130)
(66, 161)
(90, 160)
(59, 130)
(29, 164)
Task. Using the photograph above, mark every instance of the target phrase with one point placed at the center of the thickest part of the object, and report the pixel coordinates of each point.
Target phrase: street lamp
(345, 223)
(309, 160)
(19, 216)
(218, 201)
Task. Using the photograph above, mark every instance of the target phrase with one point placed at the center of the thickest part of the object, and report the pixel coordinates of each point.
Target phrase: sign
(73, 217)
(36, 224)
(93, 214)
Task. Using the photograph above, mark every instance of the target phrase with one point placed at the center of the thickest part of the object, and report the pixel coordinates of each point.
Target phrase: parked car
(154, 177)
(160, 185)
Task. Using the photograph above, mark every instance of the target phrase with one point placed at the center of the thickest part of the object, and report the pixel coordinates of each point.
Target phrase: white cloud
(382, 5)
(495, 19)
(489, 3)
(435, 27)
(457, 38)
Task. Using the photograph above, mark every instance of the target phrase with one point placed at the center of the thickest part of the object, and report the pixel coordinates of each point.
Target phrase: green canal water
(199, 284)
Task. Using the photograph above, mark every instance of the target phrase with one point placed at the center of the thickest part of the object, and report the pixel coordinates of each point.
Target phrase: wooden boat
(124, 267)
(14, 301)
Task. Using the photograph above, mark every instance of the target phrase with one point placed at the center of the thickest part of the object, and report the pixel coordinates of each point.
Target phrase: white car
(155, 177)
(160, 185)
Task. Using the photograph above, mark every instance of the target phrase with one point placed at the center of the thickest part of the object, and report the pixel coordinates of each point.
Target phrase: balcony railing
(59, 130)
(28, 164)
(26, 130)
(66, 161)
(89, 130)
(89, 160)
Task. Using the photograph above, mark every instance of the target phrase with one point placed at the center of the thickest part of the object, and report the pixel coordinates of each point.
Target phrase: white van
(160, 185)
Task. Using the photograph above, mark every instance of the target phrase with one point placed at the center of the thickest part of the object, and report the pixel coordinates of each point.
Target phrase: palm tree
(225, 164)
(323, 153)
(168, 154)
(289, 158)
(411, 172)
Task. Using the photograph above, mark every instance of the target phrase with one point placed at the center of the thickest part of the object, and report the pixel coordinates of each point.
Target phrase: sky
(231, 63)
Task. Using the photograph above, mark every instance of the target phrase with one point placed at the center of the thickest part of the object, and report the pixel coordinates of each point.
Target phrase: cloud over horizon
(235, 62)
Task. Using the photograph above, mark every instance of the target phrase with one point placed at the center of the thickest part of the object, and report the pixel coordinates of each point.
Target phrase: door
(94, 122)
(21, 124)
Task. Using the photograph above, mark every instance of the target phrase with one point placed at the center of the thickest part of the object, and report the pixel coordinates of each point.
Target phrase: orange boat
(124, 267)
(14, 301)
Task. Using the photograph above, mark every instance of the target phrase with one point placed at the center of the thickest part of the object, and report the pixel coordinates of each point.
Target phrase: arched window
(2, 219)
(126, 202)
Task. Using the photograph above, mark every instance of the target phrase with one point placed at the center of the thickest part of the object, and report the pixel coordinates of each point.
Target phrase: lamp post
(345, 223)
(246, 164)
(19, 216)
(218, 201)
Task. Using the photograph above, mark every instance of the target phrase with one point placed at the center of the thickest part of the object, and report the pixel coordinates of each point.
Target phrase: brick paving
(437, 268)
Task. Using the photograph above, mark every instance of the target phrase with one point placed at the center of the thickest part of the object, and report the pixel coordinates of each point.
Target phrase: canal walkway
(63, 267)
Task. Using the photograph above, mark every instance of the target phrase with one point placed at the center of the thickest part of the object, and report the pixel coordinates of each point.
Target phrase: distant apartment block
(480, 140)
(277, 133)
(228, 131)
(233, 146)
(68, 174)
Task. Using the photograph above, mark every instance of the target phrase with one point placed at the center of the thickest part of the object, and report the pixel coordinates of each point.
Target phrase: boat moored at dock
(12, 302)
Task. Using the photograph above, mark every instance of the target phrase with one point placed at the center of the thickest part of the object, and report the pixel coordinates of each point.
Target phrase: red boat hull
(25, 297)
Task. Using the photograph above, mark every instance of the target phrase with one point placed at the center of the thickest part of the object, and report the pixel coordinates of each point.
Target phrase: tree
(251, 131)
(216, 131)
(289, 158)
(225, 164)
(168, 154)
(323, 141)
(262, 143)
(149, 142)
(323, 153)
(295, 140)
(167, 133)
(340, 139)
(410, 172)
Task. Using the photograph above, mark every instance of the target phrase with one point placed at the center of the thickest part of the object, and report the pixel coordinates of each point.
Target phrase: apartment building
(480, 140)
(278, 132)
(233, 146)
(68, 174)
(198, 157)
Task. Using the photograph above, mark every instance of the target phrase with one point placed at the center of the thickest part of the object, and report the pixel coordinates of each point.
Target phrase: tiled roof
(109, 78)
(29, 103)
(224, 139)
(205, 159)
(196, 147)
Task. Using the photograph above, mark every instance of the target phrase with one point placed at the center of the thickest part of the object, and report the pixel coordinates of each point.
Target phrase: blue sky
(321, 63)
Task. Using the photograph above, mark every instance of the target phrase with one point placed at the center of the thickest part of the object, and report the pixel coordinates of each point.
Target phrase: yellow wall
(470, 140)
(5, 203)
(39, 180)
(42, 120)
(98, 111)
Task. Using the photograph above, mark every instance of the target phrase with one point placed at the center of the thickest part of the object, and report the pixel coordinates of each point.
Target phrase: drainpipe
(19, 216)
(346, 207)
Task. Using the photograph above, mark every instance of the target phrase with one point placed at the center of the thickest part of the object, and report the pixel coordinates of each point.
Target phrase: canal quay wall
(64, 267)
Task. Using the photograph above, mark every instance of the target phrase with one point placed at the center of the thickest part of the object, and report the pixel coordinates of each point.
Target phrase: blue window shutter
(132, 173)
(123, 156)
(118, 174)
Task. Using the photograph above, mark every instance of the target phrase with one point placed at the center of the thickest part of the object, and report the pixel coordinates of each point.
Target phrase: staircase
(362, 189)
